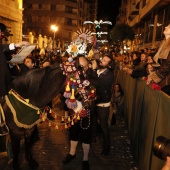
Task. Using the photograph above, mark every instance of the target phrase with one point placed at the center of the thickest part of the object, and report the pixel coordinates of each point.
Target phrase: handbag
(4, 130)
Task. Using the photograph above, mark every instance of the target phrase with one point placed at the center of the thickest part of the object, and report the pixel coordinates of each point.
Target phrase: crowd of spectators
(144, 63)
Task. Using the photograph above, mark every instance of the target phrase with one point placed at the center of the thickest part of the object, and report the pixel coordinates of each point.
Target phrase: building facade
(67, 15)
(11, 17)
(148, 19)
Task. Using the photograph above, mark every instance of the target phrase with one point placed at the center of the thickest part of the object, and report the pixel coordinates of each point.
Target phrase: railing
(147, 114)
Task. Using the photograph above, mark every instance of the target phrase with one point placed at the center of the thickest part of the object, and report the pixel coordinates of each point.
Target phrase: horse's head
(40, 86)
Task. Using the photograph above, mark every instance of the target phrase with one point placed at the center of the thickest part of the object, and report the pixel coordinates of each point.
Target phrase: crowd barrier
(147, 114)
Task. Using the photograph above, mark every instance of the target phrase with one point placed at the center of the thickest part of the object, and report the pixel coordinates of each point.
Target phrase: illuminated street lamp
(54, 28)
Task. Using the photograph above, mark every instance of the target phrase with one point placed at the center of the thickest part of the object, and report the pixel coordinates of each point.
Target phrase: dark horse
(40, 86)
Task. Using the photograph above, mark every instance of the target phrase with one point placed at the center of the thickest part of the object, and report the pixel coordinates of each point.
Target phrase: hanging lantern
(66, 126)
(67, 92)
(56, 127)
(68, 119)
(78, 117)
(72, 103)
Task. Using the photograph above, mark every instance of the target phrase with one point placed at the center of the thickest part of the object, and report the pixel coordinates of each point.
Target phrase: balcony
(134, 10)
(70, 12)
(137, 4)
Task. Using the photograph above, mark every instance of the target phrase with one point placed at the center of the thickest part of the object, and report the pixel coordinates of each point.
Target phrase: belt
(104, 104)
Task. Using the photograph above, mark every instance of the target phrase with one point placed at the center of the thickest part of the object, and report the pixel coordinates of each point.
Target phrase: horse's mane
(29, 83)
(40, 86)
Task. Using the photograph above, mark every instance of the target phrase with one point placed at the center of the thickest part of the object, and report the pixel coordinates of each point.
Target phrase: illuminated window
(40, 6)
(53, 7)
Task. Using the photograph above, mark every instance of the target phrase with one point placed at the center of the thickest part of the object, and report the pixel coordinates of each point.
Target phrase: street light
(54, 28)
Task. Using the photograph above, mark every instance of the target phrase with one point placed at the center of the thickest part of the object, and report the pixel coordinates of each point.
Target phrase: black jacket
(103, 84)
(5, 77)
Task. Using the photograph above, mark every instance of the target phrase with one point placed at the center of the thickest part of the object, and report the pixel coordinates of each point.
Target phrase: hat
(2, 27)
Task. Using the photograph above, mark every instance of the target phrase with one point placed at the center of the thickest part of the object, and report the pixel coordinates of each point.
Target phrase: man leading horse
(5, 77)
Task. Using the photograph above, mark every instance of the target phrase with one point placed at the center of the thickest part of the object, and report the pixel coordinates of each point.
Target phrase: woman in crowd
(117, 103)
(139, 70)
(162, 58)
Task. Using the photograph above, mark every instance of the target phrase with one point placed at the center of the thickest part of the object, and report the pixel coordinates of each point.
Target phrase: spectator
(118, 98)
(5, 77)
(19, 69)
(46, 63)
(117, 103)
(136, 58)
(162, 58)
(139, 70)
(36, 57)
(149, 67)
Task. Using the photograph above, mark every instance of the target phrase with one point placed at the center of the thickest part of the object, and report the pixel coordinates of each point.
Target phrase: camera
(161, 148)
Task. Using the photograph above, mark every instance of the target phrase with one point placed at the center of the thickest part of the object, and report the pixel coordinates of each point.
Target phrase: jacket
(5, 77)
(103, 84)
(162, 74)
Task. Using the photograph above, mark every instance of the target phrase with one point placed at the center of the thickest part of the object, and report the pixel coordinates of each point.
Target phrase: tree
(121, 32)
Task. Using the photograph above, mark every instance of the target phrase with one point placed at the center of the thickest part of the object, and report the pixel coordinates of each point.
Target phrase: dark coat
(163, 72)
(5, 77)
(140, 70)
(18, 70)
(103, 84)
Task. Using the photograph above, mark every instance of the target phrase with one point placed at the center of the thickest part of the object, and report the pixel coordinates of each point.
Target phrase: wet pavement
(53, 146)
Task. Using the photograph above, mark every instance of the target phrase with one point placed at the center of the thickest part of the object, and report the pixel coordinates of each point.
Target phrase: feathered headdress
(80, 39)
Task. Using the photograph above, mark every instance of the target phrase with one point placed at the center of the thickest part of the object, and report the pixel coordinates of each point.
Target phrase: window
(81, 5)
(60, 7)
(160, 26)
(40, 6)
(29, 6)
(143, 3)
(68, 21)
(167, 14)
(148, 34)
(68, 9)
(53, 7)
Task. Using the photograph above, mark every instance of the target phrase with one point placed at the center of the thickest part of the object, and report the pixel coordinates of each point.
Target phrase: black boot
(85, 165)
(68, 158)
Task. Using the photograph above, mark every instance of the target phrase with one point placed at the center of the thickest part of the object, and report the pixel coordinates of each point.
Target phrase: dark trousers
(102, 113)
(78, 131)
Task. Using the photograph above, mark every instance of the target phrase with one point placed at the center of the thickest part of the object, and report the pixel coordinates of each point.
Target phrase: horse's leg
(15, 143)
(35, 135)
(29, 135)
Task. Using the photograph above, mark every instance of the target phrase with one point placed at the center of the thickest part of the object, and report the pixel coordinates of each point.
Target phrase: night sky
(108, 8)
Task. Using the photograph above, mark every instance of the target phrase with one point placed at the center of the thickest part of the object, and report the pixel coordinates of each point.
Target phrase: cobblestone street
(54, 146)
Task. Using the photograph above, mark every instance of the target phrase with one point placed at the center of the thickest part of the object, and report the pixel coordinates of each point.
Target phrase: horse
(40, 86)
